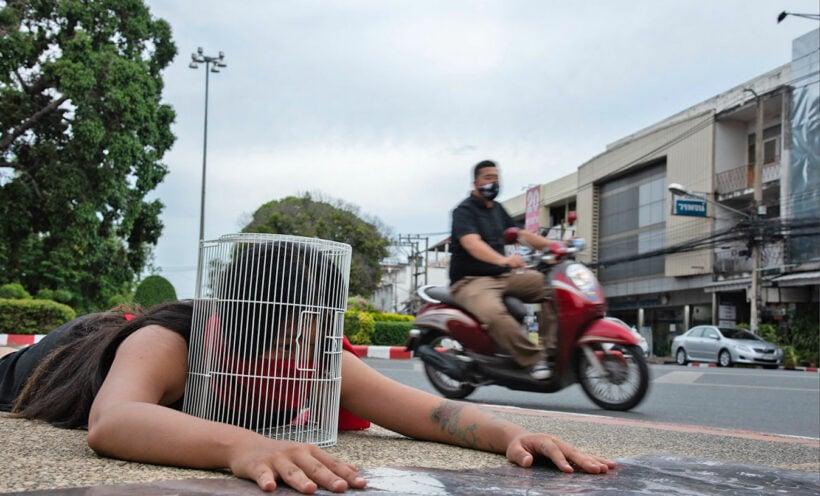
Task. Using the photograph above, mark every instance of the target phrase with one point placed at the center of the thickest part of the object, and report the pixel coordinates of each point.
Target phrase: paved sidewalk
(41, 457)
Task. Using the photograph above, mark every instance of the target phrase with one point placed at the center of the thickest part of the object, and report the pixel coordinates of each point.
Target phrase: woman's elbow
(96, 440)
(100, 437)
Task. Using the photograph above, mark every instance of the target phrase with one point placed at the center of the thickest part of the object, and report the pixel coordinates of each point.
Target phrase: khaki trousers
(482, 296)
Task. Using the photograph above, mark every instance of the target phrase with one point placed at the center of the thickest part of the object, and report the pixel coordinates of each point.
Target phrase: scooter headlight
(583, 279)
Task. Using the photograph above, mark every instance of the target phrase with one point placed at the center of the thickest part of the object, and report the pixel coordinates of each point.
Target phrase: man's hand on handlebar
(514, 262)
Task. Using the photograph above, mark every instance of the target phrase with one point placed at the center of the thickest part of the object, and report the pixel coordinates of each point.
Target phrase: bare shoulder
(155, 342)
(150, 365)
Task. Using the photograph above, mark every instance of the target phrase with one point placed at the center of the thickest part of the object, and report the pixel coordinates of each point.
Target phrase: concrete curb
(387, 352)
(20, 339)
(800, 369)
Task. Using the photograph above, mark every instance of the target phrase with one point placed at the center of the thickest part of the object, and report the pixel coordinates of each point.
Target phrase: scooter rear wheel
(622, 380)
(444, 384)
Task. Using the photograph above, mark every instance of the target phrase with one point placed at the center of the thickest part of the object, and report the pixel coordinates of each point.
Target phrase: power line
(750, 231)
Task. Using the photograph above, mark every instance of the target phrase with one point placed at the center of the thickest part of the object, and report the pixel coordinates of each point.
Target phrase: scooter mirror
(511, 235)
(572, 216)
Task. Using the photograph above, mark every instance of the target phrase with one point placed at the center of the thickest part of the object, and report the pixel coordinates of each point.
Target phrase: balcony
(733, 260)
(740, 179)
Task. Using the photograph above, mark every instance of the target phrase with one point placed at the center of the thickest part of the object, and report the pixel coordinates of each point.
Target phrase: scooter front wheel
(614, 376)
(444, 384)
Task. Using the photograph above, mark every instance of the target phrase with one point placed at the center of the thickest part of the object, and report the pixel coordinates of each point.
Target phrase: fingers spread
(304, 468)
(563, 455)
(552, 450)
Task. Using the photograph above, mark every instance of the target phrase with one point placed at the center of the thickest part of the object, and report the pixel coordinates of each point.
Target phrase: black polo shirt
(472, 216)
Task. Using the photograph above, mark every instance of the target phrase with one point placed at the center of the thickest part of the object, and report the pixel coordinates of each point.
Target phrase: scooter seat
(515, 306)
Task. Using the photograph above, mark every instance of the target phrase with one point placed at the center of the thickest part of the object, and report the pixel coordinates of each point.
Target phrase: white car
(725, 346)
(641, 340)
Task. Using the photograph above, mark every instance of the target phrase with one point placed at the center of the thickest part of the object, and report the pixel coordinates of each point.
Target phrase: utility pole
(754, 318)
(755, 238)
(417, 260)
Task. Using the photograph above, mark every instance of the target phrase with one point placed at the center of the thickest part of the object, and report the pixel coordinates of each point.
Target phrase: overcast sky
(386, 105)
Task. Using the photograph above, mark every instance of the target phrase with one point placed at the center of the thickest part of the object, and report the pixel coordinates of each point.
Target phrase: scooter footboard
(605, 331)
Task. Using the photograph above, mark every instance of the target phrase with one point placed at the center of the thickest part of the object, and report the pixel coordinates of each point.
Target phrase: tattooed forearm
(448, 417)
(491, 413)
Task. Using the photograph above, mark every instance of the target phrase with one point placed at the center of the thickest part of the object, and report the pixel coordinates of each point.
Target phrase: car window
(709, 333)
(734, 333)
(695, 333)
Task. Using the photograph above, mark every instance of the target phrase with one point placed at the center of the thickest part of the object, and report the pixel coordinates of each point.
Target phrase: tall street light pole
(678, 189)
(212, 64)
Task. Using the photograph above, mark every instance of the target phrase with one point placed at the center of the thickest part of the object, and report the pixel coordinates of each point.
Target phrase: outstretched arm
(128, 421)
(420, 415)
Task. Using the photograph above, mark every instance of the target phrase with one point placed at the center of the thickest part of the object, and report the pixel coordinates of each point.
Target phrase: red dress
(348, 421)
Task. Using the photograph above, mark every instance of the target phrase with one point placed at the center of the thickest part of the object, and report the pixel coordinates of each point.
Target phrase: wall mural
(805, 141)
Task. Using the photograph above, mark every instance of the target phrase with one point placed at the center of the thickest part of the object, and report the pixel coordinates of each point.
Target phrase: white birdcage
(266, 338)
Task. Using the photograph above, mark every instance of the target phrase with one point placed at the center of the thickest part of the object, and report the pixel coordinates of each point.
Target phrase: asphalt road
(769, 401)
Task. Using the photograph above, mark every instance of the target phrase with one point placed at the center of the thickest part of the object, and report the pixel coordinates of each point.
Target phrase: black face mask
(489, 191)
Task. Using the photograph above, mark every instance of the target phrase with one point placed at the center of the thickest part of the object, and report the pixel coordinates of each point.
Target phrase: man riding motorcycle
(481, 275)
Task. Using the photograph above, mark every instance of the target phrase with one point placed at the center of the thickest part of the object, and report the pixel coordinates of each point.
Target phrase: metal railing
(741, 178)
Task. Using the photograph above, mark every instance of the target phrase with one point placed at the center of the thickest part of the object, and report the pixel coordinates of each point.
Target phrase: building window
(771, 145)
(632, 223)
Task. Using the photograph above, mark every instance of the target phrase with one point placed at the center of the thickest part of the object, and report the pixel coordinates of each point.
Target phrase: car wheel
(725, 358)
(680, 357)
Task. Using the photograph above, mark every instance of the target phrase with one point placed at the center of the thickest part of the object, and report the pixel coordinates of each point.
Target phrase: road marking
(679, 378)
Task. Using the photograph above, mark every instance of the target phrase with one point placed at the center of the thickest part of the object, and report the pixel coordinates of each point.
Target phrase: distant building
(627, 215)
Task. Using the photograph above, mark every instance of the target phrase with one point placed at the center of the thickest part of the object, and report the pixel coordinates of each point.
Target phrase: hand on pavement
(304, 467)
(525, 447)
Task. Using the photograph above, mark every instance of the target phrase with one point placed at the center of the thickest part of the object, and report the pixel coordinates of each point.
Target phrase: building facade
(665, 269)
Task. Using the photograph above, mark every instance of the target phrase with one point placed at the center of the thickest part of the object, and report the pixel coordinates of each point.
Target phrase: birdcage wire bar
(266, 336)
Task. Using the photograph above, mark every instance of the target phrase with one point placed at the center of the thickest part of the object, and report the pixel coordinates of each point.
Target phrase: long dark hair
(62, 388)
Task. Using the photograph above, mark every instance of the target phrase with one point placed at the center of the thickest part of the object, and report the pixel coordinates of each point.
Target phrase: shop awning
(798, 279)
(730, 285)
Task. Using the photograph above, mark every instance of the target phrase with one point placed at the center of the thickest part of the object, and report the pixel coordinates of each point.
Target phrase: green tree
(331, 220)
(82, 133)
(154, 290)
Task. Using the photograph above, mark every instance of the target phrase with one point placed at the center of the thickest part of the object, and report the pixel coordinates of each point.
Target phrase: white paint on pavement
(679, 378)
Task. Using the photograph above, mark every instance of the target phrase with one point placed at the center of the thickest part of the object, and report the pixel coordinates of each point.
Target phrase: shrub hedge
(392, 317)
(359, 327)
(32, 316)
(14, 290)
(383, 329)
(388, 333)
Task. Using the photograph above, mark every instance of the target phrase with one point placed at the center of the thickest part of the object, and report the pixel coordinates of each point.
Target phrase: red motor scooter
(603, 356)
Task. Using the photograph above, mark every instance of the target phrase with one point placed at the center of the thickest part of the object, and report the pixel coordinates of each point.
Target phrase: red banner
(533, 200)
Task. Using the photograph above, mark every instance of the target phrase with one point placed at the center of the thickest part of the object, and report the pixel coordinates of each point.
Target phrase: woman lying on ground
(123, 378)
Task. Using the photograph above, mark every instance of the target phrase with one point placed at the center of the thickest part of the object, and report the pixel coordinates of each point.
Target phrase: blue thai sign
(689, 206)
